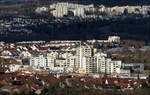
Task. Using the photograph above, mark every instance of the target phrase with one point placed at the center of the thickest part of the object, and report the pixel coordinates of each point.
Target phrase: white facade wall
(70, 62)
(101, 64)
(109, 66)
(112, 66)
(44, 62)
(82, 51)
(116, 66)
(89, 65)
(79, 12)
(114, 39)
(61, 9)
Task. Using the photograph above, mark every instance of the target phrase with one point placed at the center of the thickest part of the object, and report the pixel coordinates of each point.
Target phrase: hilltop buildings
(64, 9)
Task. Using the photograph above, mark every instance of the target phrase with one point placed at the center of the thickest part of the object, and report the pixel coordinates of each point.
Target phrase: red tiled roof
(10, 49)
(90, 81)
(43, 48)
(49, 78)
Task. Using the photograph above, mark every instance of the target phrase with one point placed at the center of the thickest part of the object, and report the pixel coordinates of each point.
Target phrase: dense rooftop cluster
(36, 65)
(37, 82)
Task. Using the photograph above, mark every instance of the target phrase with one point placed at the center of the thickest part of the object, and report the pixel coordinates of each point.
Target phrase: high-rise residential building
(89, 64)
(82, 51)
(95, 63)
(86, 59)
(101, 63)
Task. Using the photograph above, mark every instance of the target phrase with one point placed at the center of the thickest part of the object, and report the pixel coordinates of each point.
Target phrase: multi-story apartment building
(62, 9)
(42, 62)
(89, 64)
(95, 63)
(112, 66)
(70, 62)
(107, 65)
(86, 59)
(82, 51)
(101, 63)
(114, 39)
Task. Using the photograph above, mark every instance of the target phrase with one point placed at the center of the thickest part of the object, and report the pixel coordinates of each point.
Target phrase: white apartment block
(89, 65)
(85, 59)
(110, 39)
(120, 9)
(42, 62)
(107, 65)
(82, 51)
(79, 12)
(70, 62)
(112, 67)
(47, 63)
(62, 9)
(114, 39)
(101, 64)
(95, 64)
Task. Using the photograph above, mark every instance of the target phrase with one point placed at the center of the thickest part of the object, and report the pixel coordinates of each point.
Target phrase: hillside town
(74, 47)
(53, 17)
(34, 65)
(64, 9)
